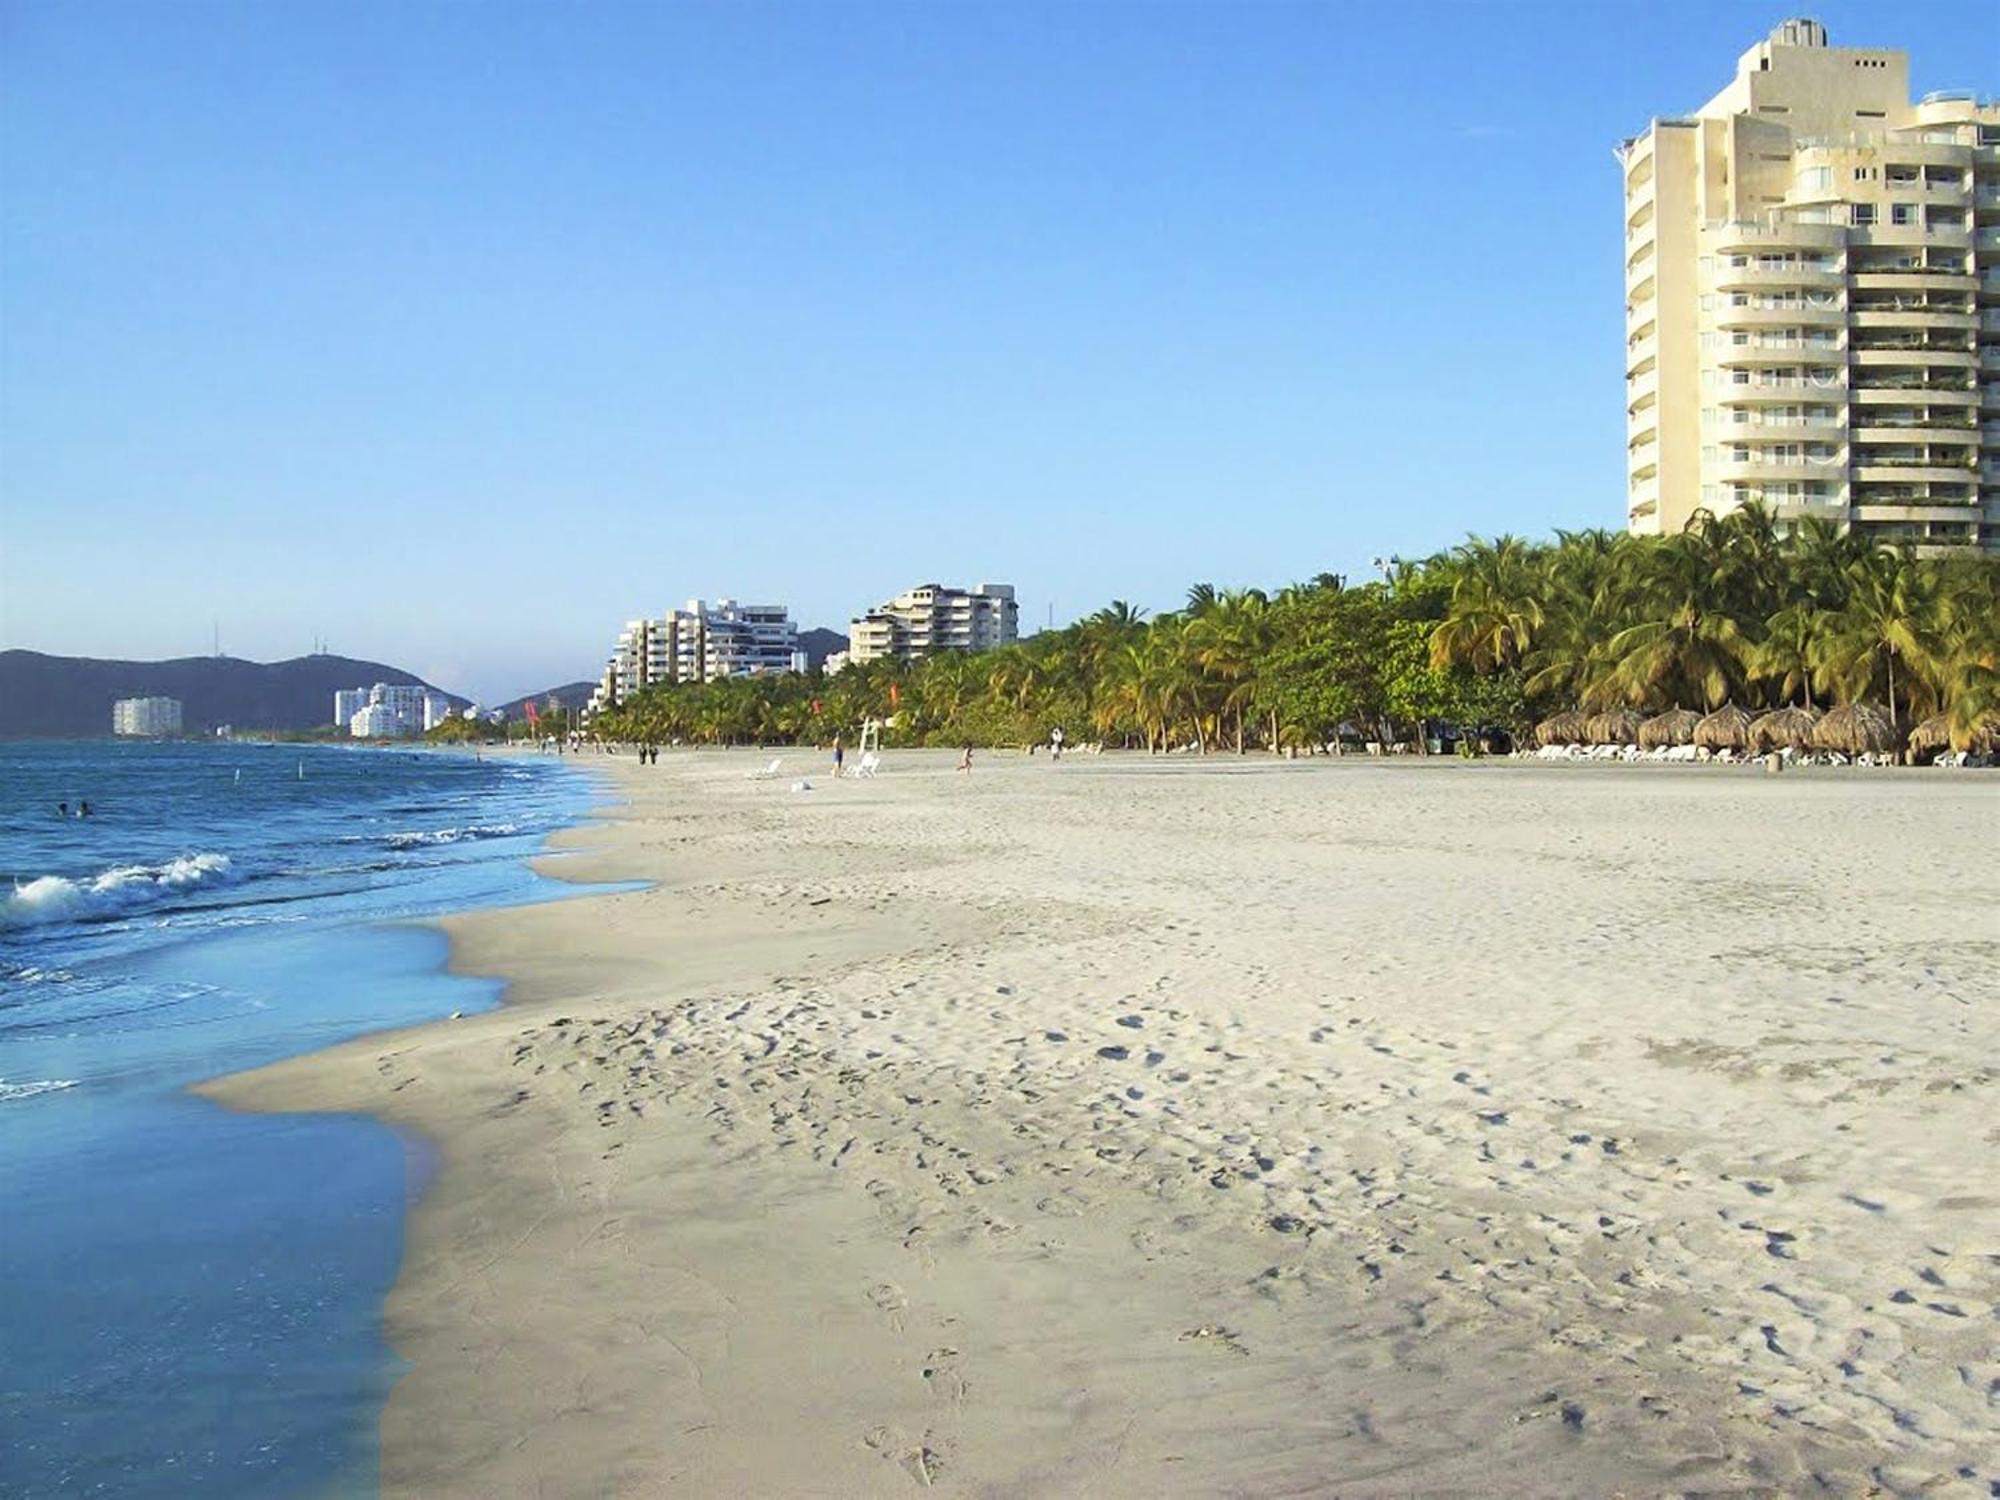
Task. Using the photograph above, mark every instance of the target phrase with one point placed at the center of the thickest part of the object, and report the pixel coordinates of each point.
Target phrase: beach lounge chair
(770, 772)
(868, 765)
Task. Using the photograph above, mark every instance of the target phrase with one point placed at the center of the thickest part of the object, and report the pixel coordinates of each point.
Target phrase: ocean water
(190, 1299)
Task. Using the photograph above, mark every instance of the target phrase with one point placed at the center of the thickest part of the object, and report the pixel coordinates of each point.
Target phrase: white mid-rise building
(390, 710)
(932, 618)
(699, 643)
(146, 716)
(1812, 300)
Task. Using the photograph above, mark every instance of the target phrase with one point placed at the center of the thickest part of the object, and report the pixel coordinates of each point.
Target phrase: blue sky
(458, 334)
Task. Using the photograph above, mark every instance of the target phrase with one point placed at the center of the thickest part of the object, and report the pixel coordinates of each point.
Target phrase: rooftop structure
(1812, 293)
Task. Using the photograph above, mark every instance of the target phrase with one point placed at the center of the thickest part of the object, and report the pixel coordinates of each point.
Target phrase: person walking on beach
(839, 757)
(1055, 743)
(965, 760)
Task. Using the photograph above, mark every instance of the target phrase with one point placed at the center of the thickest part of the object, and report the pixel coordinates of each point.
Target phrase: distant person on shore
(839, 757)
(1055, 743)
(965, 759)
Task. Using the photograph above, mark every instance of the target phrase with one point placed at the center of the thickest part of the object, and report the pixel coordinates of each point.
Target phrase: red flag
(533, 717)
(815, 705)
(895, 695)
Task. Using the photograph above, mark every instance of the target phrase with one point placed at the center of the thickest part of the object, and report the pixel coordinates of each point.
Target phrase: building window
(1861, 215)
(1816, 179)
(1902, 213)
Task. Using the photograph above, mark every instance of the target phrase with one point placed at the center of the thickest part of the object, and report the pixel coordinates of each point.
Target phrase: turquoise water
(190, 1299)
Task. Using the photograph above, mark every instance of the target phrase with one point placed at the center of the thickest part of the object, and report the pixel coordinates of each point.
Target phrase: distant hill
(818, 645)
(569, 695)
(46, 697)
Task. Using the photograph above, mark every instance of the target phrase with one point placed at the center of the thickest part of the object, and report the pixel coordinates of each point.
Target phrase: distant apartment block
(390, 710)
(1812, 300)
(932, 618)
(699, 643)
(146, 716)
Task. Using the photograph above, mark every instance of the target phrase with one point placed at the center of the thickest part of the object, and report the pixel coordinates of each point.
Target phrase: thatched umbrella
(1674, 727)
(1856, 729)
(1931, 736)
(1787, 726)
(1618, 726)
(1728, 728)
(1934, 735)
(1562, 729)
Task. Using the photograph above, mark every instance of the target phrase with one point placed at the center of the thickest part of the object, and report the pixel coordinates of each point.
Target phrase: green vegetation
(1494, 633)
(459, 730)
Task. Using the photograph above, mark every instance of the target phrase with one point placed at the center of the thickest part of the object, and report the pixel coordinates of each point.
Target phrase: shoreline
(759, 1194)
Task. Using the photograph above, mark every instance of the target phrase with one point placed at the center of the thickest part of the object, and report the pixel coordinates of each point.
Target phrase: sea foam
(113, 893)
(450, 835)
(28, 1090)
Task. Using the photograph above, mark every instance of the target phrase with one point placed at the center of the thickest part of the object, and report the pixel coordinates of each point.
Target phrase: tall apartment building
(932, 618)
(146, 716)
(699, 643)
(1812, 300)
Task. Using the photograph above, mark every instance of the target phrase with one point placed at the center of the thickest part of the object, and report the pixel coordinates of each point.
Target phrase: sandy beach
(1132, 1127)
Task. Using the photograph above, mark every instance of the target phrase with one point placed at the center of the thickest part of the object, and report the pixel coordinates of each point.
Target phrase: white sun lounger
(868, 765)
(770, 772)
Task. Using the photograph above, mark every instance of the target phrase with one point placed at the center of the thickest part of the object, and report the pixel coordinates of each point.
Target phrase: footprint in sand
(888, 1299)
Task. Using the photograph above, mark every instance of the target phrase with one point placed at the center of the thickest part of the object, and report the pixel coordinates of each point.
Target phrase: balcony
(1762, 467)
(1913, 316)
(1640, 389)
(1769, 422)
(1883, 429)
(1869, 469)
(1786, 315)
(1915, 510)
(1910, 278)
(1756, 277)
(1754, 235)
(1913, 355)
(1781, 388)
(1776, 352)
(1899, 385)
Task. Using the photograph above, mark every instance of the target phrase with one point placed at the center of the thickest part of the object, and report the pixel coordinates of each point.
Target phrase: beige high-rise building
(1812, 300)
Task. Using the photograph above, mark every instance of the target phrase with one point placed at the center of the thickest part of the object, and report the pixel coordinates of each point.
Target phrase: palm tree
(1785, 657)
(1496, 606)
(1892, 617)
(1682, 643)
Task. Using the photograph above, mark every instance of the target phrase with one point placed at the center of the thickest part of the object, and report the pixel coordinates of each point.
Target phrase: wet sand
(1225, 1127)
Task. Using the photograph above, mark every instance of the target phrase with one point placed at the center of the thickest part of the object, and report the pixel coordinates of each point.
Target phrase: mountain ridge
(43, 696)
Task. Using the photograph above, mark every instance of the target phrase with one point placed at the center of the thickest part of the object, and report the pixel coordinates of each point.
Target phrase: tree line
(1492, 635)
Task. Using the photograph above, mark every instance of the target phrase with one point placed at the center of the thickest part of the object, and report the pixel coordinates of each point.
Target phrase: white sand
(1236, 1127)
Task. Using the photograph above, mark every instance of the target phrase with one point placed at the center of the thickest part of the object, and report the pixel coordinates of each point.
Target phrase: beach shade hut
(1728, 728)
(1931, 736)
(1934, 736)
(1562, 729)
(1856, 729)
(1674, 727)
(1619, 726)
(1785, 727)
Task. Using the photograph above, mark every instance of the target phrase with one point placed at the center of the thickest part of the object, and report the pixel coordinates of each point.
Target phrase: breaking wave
(33, 1087)
(57, 898)
(450, 835)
